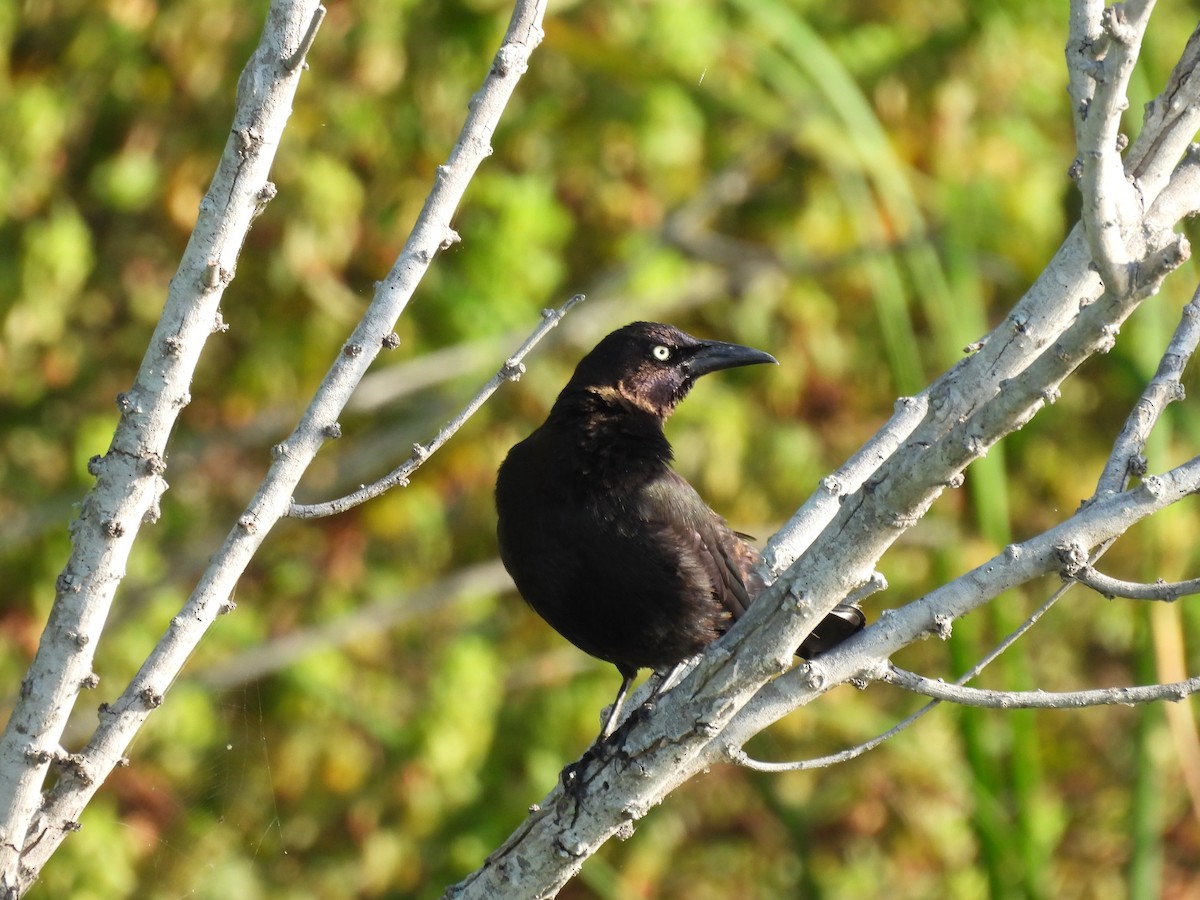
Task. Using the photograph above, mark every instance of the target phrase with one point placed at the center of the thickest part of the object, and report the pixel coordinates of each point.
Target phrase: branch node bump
(1073, 558)
(352, 350)
(152, 698)
(36, 756)
(1117, 25)
(391, 341)
(502, 64)
(943, 626)
(512, 370)
(126, 403)
(1107, 340)
(1154, 486)
(575, 850)
(813, 676)
(332, 431)
(634, 811)
(94, 465)
(227, 607)
(153, 464)
(78, 638)
(248, 524)
(75, 765)
(220, 326)
(89, 682)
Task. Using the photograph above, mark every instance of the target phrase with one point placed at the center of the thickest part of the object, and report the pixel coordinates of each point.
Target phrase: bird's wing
(709, 550)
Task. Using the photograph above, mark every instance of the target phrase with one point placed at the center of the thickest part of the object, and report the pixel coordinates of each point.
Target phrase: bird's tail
(844, 621)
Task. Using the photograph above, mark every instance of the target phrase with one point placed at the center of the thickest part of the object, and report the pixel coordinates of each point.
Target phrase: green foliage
(859, 189)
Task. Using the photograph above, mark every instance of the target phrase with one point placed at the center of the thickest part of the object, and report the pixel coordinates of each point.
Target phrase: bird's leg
(572, 774)
(614, 711)
(667, 679)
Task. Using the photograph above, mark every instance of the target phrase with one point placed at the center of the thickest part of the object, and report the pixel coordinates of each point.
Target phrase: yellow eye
(662, 352)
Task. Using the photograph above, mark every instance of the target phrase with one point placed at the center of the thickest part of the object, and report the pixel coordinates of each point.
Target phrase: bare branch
(1167, 591)
(1091, 526)
(120, 721)
(739, 756)
(310, 36)
(129, 477)
(1170, 125)
(512, 370)
(967, 696)
(1126, 458)
(1111, 208)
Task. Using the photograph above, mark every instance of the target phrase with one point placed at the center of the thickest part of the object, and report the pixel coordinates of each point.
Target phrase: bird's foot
(605, 747)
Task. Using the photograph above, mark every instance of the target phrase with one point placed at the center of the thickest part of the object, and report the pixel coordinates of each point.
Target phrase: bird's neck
(613, 432)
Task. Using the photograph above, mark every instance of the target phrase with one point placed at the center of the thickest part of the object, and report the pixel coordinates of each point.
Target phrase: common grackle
(607, 543)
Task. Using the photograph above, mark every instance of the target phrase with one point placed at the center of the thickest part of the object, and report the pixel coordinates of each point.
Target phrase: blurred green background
(861, 189)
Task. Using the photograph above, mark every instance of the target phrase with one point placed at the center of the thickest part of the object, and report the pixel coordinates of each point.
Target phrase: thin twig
(739, 756)
(512, 370)
(1167, 591)
(307, 41)
(967, 696)
(1126, 458)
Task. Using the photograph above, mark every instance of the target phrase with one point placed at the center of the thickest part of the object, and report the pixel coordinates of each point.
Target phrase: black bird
(607, 543)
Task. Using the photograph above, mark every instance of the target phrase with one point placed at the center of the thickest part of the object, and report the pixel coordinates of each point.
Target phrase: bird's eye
(662, 352)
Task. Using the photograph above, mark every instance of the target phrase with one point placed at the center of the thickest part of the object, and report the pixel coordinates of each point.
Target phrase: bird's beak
(711, 356)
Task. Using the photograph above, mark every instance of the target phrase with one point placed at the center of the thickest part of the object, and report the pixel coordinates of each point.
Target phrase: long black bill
(711, 356)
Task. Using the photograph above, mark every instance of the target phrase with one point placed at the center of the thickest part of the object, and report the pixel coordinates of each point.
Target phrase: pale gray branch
(266, 74)
(942, 629)
(1102, 50)
(1092, 526)
(1167, 591)
(1126, 458)
(968, 696)
(129, 477)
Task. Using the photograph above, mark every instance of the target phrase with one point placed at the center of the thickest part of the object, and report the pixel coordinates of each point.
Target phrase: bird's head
(652, 367)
